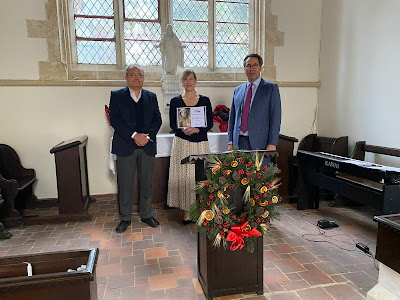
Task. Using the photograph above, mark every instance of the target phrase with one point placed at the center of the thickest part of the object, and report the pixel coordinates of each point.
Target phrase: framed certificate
(191, 116)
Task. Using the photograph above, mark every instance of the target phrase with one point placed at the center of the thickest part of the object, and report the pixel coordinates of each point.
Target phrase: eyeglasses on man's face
(136, 75)
(253, 66)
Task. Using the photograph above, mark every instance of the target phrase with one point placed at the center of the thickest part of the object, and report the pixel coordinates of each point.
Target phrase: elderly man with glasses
(136, 119)
(255, 116)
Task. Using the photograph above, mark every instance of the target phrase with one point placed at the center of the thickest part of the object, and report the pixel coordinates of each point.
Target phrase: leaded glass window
(215, 32)
(94, 30)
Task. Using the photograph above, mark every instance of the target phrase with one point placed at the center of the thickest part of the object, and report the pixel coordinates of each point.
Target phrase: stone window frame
(56, 29)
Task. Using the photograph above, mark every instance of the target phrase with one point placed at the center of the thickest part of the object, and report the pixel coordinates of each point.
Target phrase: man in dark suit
(255, 116)
(136, 119)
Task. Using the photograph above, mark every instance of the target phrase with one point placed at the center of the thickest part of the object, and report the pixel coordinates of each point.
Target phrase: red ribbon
(237, 233)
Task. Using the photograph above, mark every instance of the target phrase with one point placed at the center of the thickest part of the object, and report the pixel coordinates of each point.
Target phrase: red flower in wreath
(221, 116)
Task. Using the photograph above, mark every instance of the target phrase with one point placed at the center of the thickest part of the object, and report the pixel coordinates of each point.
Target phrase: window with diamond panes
(231, 32)
(141, 29)
(142, 32)
(190, 22)
(94, 30)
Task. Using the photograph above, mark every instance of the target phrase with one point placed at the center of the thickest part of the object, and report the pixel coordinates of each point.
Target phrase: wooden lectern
(72, 184)
(222, 271)
(72, 177)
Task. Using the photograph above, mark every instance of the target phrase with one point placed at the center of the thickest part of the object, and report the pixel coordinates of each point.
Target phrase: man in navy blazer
(259, 129)
(136, 119)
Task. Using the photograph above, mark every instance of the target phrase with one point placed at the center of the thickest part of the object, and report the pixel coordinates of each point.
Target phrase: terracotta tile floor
(160, 263)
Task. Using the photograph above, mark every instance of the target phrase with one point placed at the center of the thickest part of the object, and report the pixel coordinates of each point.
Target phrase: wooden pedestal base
(224, 272)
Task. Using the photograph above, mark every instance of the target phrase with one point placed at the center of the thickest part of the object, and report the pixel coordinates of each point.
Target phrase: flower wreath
(214, 215)
(221, 116)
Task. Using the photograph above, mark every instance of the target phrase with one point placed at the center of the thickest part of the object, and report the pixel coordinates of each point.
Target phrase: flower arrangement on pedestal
(214, 215)
(221, 116)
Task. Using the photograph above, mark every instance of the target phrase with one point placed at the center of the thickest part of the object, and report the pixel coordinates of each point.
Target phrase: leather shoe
(151, 222)
(122, 226)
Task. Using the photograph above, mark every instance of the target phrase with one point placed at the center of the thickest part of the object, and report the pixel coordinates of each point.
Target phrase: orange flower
(263, 203)
(247, 228)
(274, 199)
(209, 215)
(215, 170)
(245, 181)
(263, 189)
(252, 202)
(234, 163)
(225, 211)
(265, 214)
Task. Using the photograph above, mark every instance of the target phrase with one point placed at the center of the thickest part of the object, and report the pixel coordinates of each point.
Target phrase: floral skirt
(181, 181)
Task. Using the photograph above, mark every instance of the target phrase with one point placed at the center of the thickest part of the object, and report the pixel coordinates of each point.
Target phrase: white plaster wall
(34, 119)
(359, 94)
(298, 59)
(18, 54)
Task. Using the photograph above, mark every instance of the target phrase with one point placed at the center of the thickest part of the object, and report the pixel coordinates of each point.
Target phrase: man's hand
(141, 139)
(190, 130)
(230, 147)
(271, 148)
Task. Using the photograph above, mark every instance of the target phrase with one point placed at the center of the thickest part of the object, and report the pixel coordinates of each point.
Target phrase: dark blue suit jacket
(123, 119)
(264, 116)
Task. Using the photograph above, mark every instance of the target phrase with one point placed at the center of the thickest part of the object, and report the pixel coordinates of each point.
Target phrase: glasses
(136, 75)
(253, 66)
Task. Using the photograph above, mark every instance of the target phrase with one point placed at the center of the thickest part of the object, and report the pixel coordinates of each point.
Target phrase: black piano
(364, 182)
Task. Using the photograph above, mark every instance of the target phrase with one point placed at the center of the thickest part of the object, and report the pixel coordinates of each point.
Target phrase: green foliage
(228, 172)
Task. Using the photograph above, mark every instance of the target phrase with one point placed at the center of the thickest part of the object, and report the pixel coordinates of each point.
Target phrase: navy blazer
(264, 116)
(123, 119)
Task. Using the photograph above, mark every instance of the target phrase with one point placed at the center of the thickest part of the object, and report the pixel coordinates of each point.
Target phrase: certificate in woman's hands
(191, 116)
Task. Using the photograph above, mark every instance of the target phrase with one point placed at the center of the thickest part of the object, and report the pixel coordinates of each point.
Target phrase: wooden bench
(16, 184)
(315, 143)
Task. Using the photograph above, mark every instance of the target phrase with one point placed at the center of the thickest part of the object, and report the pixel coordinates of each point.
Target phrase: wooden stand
(388, 239)
(72, 183)
(387, 253)
(285, 162)
(50, 278)
(222, 271)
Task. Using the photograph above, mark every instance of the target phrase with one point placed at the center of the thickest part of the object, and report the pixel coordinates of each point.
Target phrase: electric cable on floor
(324, 235)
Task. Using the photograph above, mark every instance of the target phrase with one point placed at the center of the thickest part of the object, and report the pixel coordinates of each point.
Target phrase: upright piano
(364, 182)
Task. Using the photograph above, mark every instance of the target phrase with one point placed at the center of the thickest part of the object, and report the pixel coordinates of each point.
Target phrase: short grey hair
(187, 73)
(133, 66)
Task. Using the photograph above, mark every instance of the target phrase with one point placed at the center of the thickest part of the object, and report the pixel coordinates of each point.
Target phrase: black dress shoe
(151, 222)
(122, 226)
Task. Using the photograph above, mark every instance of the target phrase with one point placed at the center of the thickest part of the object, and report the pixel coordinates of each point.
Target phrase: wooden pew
(16, 184)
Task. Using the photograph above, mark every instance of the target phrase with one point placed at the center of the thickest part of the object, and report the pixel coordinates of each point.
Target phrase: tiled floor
(160, 263)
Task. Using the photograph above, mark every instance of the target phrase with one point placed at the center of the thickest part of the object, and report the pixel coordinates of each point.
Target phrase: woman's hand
(190, 130)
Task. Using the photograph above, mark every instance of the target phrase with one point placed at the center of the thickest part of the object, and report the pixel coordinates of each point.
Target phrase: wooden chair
(16, 184)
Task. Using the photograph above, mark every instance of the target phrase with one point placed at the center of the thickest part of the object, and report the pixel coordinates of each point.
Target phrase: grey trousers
(244, 144)
(126, 169)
